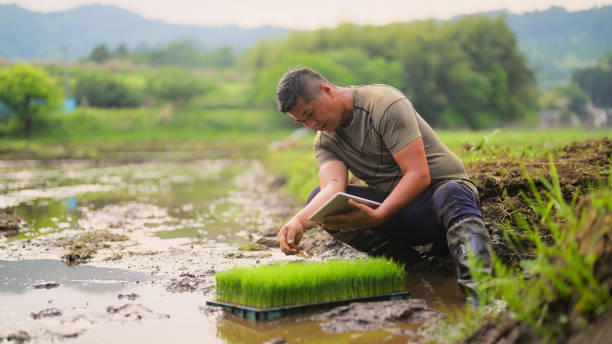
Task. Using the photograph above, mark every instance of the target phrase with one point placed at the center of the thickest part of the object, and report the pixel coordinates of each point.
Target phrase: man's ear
(325, 88)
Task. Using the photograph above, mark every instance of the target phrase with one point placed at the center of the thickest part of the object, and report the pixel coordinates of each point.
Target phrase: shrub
(177, 85)
(104, 91)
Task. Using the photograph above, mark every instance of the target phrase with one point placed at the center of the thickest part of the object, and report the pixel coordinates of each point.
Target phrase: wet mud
(375, 315)
(162, 229)
(143, 241)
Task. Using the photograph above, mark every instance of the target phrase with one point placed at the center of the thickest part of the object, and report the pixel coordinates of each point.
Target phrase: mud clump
(370, 316)
(131, 297)
(45, 285)
(134, 312)
(10, 223)
(18, 337)
(82, 247)
(188, 283)
(46, 313)
(500, 182)
(318, 243)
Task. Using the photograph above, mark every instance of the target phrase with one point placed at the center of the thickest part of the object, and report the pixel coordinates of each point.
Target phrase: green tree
(181, 53)
(597, 81)
(99, 54)
(121, 52)
(28, 91)
(263, 90)
(466, 72)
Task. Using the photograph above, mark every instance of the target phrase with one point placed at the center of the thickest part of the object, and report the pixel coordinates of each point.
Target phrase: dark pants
(425, 220)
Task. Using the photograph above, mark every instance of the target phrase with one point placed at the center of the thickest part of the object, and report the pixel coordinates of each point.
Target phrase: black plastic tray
(272, 313)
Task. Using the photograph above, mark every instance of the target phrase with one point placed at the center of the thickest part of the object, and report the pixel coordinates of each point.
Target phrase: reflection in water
(236, 330)
(195, 197)
(17, 277)
(439, 290)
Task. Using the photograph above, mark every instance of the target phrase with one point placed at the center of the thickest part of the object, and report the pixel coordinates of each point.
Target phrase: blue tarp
(4, 111)
(68, 106)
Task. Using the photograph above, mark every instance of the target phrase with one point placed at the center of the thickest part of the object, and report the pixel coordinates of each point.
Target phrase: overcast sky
(306, 14)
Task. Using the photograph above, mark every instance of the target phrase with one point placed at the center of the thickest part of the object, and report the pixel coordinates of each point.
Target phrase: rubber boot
(470, 234)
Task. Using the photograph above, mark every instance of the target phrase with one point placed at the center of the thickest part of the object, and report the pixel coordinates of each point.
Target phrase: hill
(36, 36)
(555, 41)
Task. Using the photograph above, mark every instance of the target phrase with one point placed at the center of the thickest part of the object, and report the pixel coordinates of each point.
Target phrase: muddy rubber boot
(470, 234)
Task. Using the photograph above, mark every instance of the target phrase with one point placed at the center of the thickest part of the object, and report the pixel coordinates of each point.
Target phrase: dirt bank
(580, 166)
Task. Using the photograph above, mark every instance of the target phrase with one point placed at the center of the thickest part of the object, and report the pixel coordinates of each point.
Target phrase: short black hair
(298, 82)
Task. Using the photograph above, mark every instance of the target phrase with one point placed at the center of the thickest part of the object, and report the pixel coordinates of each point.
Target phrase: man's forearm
(408, 188)
(323, 196)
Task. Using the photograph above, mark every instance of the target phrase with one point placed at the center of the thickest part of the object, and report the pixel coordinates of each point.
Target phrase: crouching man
(373, 131)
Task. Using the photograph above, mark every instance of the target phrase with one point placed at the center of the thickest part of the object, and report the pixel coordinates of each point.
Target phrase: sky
(305, 14)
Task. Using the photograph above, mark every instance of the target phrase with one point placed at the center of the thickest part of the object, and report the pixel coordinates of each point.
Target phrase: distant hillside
(32, 35)
(555, 41)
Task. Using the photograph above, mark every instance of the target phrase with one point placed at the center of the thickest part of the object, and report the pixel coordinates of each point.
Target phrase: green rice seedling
(303, 283)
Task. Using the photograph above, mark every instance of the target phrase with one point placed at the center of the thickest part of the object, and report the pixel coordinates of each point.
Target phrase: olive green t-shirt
(383, 122)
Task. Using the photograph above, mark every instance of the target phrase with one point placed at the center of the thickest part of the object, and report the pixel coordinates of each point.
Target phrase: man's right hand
(290, 235)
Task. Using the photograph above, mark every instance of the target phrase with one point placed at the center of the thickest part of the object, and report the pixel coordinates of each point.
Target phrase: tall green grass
(559, 285)
(303, 283)
(562, 272)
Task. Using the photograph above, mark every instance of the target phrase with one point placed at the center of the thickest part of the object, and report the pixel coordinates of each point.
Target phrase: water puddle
(171, 200)
(103, 305)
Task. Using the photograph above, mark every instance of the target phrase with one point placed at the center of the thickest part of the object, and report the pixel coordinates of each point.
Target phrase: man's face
(322, 113)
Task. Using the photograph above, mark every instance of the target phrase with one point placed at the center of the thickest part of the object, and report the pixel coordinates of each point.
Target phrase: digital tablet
(337, 205)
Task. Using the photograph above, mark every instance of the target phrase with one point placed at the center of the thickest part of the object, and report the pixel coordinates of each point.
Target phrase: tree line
(183, 53)
(597, 82)
(466, 73)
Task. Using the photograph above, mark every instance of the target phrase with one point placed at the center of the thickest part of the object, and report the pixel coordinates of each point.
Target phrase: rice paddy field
(150, 217)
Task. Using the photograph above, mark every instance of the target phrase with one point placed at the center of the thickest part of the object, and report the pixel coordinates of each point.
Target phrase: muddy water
(178, 223)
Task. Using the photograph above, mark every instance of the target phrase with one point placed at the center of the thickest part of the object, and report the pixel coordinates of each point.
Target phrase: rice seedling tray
(271, 313)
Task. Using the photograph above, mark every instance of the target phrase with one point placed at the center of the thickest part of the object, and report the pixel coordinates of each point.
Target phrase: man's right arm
(333, 178)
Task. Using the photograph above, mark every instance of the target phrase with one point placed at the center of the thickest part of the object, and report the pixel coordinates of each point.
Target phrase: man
(373, 131)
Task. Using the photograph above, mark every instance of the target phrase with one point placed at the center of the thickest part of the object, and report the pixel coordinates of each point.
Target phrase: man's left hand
(360, 217)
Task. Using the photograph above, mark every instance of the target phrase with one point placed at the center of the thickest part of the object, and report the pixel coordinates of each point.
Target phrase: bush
(28, 91)
(99, 90)
(177, 85)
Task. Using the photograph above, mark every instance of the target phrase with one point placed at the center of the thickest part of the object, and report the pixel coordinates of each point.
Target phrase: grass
(559, 290)
(303, 283)
(513, 143)
(103, 133)
(562, 274)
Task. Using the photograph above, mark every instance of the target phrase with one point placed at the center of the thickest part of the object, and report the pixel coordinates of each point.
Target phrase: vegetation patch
(580, 166)
(82, 247)
(566, 286)
(302, 283)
